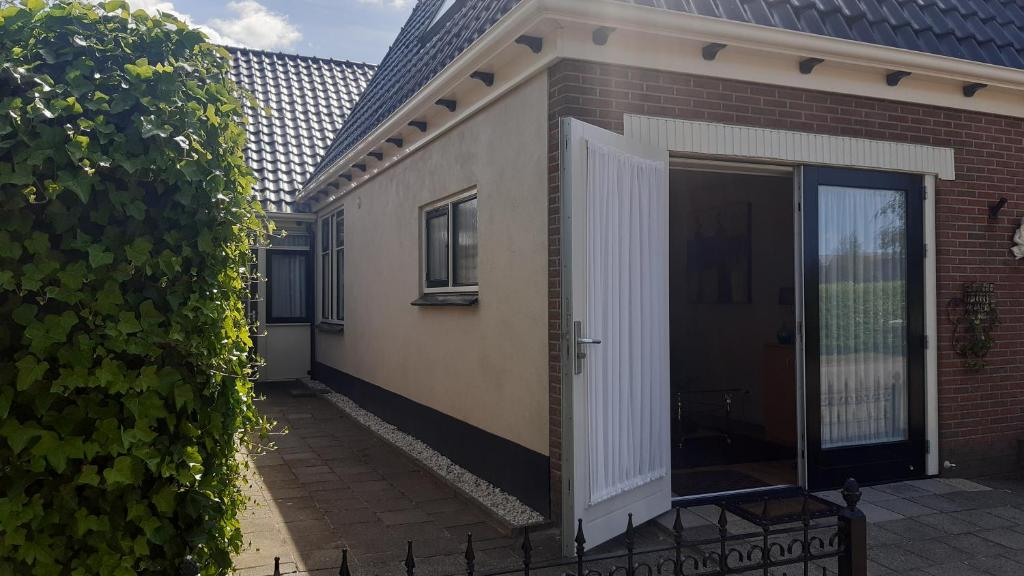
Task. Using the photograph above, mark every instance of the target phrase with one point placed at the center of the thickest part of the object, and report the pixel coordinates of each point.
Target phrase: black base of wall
(515, 469)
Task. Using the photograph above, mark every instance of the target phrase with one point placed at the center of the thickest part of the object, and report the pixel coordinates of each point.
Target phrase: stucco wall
(485, 365)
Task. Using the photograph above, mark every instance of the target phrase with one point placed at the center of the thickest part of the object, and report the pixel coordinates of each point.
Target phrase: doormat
(693, 482)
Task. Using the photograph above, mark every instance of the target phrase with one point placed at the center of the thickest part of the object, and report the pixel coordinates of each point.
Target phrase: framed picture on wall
(719, 255)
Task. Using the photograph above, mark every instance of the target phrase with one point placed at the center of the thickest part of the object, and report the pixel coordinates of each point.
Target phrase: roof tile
(307, 99)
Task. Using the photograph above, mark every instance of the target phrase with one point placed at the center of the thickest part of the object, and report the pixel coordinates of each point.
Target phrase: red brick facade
(981, 414)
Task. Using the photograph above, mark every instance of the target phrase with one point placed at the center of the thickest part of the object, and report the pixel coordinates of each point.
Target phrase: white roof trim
(724, 140)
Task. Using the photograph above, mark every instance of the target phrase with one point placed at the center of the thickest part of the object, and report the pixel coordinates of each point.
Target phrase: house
(611, 254)
(299, 103)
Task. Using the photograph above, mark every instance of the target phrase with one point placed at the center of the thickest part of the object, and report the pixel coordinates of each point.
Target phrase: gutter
(670, 23)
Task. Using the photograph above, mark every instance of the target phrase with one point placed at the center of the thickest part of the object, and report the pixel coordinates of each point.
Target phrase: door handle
(581, 353)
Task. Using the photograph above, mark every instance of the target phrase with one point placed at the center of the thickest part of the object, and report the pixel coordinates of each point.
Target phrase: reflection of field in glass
(863, 362)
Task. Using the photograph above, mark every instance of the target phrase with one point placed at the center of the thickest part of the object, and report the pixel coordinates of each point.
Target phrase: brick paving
(333, 484)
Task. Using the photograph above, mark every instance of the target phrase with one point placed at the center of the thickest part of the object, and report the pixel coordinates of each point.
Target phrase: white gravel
(502, 504)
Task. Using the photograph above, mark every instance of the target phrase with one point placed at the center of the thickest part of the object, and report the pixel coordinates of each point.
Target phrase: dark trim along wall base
(515, 469)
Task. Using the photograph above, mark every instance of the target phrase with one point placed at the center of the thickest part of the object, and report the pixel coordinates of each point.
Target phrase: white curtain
(863, 319)
(627, 307)
(287, 284)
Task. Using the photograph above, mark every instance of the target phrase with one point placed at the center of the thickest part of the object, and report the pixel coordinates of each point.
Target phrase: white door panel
(616, 196)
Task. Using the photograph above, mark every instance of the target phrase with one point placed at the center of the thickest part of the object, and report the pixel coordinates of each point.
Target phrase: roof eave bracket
(534, 43)
(807, 65)
(894, 78)
(971, 89)
(710, 51)
(451, 105)
(602, 34)
(486, 77)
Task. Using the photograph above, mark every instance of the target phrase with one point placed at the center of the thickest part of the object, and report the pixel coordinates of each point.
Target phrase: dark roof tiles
(301, 103)
(986, 31)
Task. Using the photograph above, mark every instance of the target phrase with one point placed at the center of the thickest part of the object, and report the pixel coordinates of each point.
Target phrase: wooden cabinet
(778, 376)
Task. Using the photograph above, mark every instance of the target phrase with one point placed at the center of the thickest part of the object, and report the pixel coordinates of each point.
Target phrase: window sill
(447, 299)
(330, 327)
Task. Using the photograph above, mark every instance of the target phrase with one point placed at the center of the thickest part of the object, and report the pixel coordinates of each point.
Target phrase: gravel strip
(500, 503)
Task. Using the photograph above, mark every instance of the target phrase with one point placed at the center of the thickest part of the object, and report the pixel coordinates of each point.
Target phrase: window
(288, 269)
(450, 245)
(332, 267)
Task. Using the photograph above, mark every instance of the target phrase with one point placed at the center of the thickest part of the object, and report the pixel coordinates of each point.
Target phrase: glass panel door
(864, 287)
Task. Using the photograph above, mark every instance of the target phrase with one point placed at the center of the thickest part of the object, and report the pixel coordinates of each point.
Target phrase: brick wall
(981, 415)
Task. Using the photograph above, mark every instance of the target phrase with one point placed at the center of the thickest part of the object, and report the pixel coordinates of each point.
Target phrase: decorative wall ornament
(1018, 242)
(974, 322)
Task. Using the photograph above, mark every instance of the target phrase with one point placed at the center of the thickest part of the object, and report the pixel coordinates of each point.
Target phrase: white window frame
(328, 245)
(450, 201)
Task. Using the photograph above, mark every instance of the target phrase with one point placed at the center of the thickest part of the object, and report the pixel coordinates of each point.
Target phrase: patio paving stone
(333, 484)
(948, 524)
(905, 507)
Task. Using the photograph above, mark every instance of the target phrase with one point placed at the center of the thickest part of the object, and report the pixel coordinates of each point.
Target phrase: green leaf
(88, 476)
(17, 435)
(122, 473)
(152, 127)
(127, 323)
(30, 371)
(138, 251)
(164, 500)
(182, 394)
(25, 314)
(140, 69)
(99, 256)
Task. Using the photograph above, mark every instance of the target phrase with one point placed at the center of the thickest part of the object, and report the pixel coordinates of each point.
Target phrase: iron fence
(827, 540)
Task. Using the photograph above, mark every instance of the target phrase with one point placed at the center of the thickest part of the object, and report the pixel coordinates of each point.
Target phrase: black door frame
(828, 468)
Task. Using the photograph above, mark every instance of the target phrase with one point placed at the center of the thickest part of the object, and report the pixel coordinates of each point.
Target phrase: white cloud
(389, 3)
(252, 24)
(256, 27)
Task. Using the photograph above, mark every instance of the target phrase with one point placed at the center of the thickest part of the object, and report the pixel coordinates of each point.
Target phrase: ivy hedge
(126, 220)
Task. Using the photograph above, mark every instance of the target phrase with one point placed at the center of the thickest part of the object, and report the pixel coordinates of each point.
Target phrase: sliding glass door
(864, 332)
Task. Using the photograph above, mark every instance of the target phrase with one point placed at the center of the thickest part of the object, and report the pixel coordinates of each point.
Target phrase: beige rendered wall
(485, 365)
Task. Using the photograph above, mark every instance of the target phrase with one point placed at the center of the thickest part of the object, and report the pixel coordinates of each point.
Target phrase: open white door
(615, 194)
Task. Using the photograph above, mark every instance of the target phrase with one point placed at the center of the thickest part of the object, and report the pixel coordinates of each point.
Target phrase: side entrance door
(864, 289)
(615, 221)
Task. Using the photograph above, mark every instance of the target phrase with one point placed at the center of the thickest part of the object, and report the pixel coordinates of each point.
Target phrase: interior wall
(721, 345)
(486, 364)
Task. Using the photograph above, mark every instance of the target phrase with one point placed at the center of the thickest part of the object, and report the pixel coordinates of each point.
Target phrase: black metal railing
(812, 541)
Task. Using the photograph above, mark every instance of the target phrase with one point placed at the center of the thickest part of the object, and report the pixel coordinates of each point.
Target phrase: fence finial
(470, 555)
(580, 541)
(410, 562)
(851, 493)
(277, 566)
(344, 571)
(580, 538)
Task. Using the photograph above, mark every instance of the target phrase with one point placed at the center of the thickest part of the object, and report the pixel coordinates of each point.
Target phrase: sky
(359, 30)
